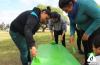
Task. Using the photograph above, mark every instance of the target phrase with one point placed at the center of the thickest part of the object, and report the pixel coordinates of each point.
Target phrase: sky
(10, 9)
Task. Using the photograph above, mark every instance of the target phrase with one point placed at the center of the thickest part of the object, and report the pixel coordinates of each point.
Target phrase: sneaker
(29, 63)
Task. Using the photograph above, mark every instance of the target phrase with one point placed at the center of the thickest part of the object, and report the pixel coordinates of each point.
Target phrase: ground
(9, 54)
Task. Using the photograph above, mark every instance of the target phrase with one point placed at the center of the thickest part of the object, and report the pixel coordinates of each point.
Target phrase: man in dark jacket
(22, 30)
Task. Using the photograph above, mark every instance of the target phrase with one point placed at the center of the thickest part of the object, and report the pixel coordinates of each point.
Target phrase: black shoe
(29, 63)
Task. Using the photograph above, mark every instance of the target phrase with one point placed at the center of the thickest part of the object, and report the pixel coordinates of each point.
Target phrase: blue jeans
(21, 44)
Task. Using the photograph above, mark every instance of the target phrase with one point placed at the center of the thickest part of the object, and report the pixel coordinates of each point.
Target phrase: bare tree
(2, 25)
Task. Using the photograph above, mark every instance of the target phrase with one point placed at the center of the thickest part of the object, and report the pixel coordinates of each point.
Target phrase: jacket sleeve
(72, 28)
(50, 25)
(93, 11)
(64, 26)
(29, 27)
(72, 25)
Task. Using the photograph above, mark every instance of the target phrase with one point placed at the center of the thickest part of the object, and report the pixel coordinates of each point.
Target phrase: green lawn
(9, 54)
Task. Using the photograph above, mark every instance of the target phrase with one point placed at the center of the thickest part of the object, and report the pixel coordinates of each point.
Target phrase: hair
(63, 3)
(55, 15)
(47, 10)
(96, 42)
(37, 10)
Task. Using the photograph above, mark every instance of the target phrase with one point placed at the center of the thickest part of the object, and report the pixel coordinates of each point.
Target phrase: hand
(72, 39)
(62, 36)
(33, 51)
(85, 37)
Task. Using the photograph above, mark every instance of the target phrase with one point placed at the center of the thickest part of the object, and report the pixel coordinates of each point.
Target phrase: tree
(2, 25)
(7, 26)
(41, 6)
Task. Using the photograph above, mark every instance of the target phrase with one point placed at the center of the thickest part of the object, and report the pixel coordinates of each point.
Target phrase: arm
(30, 24)
(64, 28)
(50, 25)
(94, 13)
(72, 29)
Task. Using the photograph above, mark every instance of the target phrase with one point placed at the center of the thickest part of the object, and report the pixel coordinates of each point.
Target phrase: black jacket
(27, 24)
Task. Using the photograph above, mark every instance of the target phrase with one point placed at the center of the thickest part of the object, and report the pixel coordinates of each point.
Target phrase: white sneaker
(29, 63)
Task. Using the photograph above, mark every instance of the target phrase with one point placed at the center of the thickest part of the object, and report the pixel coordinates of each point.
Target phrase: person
(96, 49)
(22, 30)
(79, 40)
(96, 45)
(86, 14)
(57, 27)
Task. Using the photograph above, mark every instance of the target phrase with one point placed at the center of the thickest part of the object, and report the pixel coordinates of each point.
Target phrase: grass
(9, 54)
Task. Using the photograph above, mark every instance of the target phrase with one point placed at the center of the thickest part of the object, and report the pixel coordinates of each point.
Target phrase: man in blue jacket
(86, 15)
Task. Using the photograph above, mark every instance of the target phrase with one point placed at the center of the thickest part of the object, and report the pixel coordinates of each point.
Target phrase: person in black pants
(57, 27)
(79, 40)
(86, 15)
(87, 44)
(22, 30)
(56, 35)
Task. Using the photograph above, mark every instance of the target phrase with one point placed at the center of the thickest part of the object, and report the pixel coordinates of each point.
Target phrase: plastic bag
(49, 54)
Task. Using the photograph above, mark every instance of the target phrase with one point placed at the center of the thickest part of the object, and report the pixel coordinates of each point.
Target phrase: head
(66, 5)
(96, 45)
(55, 16)
(45, 15)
